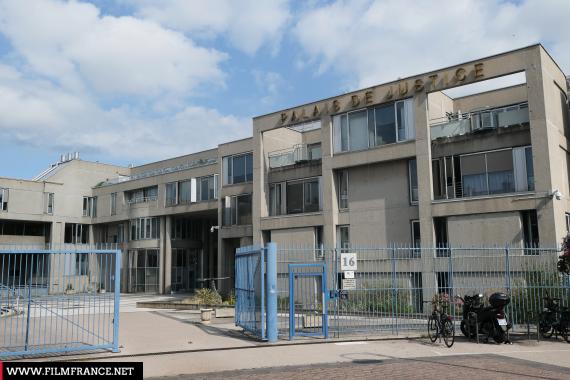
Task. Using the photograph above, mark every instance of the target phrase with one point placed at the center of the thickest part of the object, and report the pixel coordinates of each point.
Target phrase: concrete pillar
(259, 200)
(546, 83)
(167, 254)
(425, 191)
(162, 256)
(330, 201)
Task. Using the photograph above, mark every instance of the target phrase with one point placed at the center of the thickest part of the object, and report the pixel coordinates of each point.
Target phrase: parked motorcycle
(554, 319)
(490, 321)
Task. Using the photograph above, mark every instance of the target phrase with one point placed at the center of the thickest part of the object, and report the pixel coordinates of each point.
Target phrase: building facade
(402, 162)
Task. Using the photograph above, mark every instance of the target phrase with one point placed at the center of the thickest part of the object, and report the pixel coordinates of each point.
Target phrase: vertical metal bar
(325, 302)
(393, 276)
(29, 307)
(117, 301)
(291, 305)
(272, 292)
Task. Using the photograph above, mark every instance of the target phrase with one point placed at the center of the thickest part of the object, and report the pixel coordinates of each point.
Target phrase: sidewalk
(171, 343)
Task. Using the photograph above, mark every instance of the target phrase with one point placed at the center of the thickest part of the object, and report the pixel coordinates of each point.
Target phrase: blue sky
(132, 81)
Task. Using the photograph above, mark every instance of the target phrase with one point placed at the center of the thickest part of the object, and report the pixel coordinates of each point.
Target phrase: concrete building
(401, 162)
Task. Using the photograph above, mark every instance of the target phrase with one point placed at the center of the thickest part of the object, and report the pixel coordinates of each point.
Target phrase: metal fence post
(271, 292)
(394, 291)
(117, 300)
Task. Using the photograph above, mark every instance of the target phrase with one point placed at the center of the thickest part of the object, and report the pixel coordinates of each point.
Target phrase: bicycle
(440, 324)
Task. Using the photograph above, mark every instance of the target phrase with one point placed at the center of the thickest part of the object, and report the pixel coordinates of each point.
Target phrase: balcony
(458, 124)
(299, 153)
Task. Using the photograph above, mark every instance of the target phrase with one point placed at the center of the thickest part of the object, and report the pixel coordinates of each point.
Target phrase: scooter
(491, 321)
(554, 319)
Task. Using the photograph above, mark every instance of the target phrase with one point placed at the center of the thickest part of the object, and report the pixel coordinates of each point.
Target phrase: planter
(206, 315)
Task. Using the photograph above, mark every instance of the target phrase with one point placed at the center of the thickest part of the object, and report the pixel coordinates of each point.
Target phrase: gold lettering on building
(335, 106)
(293, 116)
(354, 100)
(479, 71)
(316, 111)
(403, 90)
(368, 97)
(390, 93)
(419, 85)
(433, 79)
(284, 117)
(460, 74)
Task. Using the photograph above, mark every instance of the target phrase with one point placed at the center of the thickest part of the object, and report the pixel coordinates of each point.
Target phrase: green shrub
(206, 296)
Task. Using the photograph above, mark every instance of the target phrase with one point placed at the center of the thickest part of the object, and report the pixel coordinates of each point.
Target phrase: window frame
(50, 203)
(4, 199)
(230, 169)
(113, 204)
(343, 173)
(410, 187)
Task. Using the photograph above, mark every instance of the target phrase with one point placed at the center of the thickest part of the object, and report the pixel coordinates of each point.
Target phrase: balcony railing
(297, 154)
(458, 124)
(138, 200)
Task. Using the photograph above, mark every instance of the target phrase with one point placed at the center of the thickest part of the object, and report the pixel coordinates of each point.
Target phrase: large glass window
(171, 193)
(237, 210)
(301, 196)
(500, 172)
(385, 124)
(147, 194)
(76, 233)
(370, 127)
(145, 228)
(90, 206)
(238, 168)
(185, 191)
(207, 188)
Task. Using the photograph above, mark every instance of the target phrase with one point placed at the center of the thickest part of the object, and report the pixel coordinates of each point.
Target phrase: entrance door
(308, 314)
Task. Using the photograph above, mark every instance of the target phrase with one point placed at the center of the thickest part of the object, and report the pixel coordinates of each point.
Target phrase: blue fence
(256, 291)
(59, 300)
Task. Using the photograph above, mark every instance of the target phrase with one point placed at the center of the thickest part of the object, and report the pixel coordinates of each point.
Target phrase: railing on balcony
(297, 154)
(457, 124)
(142, 200)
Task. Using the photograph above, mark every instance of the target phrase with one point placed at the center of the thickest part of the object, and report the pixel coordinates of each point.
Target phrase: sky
(134, 81)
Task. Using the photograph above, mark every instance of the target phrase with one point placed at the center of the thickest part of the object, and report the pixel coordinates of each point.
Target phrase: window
(113, 204)
(3, 199)
(567, 215)
(237, 210)
(81, 264)
(314, 151)
(49, 202)
(343, 189)
(145, 228)
(276, 199)
(120, 234)
(171, 196)
(416, 240)
(147, 194)
(301, 196)
(413, 180)
(371, 127)
(185, 191)
(76, 233)
(485, 173)
(530, 230)
(343, 236)
(238, 169)
(23, 228)
(208, 188)
(90, 206)
(441, 242)
(185, 228)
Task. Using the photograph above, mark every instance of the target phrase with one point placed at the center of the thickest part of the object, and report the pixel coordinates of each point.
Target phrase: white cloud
(247, 24)
(39, 114)
(73, 44)
(371, 42)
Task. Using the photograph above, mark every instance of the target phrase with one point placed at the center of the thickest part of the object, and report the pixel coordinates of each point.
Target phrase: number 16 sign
(347, 261)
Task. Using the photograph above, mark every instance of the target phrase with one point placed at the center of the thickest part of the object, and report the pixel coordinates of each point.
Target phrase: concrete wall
(485, 229)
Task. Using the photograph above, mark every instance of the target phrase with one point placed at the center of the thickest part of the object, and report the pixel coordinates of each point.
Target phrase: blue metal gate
(58, 301)
(308, 300)
(250, 290)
